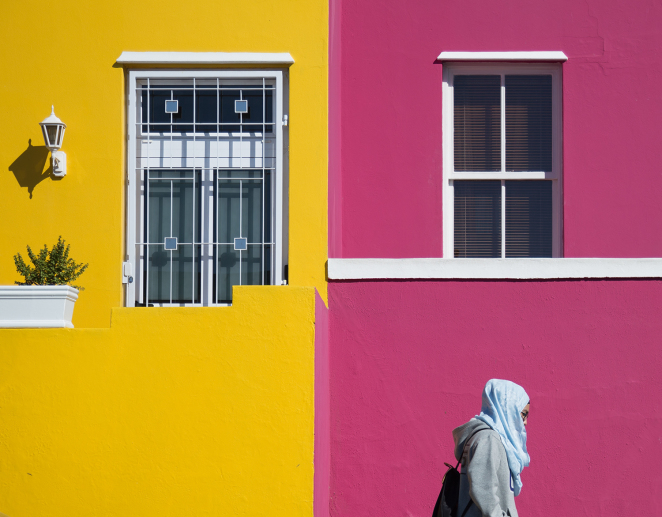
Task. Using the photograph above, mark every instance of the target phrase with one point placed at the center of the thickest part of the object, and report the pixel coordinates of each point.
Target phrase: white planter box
(37, 306)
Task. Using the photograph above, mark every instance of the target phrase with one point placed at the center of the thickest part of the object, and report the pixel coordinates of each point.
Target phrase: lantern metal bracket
(59, 164)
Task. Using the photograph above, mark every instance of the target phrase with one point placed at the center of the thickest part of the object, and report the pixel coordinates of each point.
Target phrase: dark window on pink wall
(477, 123)
(483, 105)
(528, 122)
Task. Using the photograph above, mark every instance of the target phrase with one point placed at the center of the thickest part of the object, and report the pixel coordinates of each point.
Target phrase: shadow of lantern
(28, 168)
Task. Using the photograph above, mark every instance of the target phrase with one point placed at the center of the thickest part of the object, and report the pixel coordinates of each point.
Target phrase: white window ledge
(510, 268)
(547, 56)
(205, 58)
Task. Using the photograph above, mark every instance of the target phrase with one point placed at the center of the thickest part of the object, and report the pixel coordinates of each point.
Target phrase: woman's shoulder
(487, 444)
(485, 437)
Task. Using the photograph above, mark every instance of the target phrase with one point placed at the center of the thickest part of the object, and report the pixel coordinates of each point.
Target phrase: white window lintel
(554, 56)
(493, 268)
(205, 58)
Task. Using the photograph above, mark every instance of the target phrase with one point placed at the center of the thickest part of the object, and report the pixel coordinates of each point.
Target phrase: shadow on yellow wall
(28, 168)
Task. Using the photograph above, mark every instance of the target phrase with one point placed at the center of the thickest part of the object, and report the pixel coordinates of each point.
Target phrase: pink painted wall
(409, 361)
(322, 411)
(385, 118)
(335, 103)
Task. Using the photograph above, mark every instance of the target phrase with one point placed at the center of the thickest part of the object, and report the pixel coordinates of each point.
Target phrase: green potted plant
(46, 296)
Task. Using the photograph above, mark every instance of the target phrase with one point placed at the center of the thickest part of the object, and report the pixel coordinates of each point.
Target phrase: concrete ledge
(516, 269)
(554, 55)
(205, 58)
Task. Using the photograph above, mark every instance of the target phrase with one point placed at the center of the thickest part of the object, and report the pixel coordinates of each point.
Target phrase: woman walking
(492, 449)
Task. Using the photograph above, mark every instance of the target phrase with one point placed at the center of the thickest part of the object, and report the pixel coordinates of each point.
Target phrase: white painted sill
(206, 58)
(493, 269)
(538, 56)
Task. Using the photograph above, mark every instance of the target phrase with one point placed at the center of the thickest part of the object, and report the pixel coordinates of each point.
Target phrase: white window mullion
(133, 185)
(216, 225)
(503, 123)
(503, 218)
(264, 145)
(503, 165)
(277, 192)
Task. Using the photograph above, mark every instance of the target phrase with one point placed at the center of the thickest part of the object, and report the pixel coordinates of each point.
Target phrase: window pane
(158, 274)
(529, 123)
(252, 210)
(179, 268)
(153, 108)
(257, 107)
(159, 211)
(206, 110)
(227, 272)
(173, 205)
(185, 112)
(477, 230)
(260, 108)
(186, 274)
(528, 218)
(477, 122)
(228, 209)
(229, 118)
(242, 211)
(252, 265)
(243, 202)
(173, 211)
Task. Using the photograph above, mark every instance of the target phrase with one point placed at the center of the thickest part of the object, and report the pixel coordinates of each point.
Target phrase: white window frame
(449, 174)
(279, 196)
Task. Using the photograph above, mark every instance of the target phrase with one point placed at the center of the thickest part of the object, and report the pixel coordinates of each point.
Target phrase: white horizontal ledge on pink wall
(493, 268)
(540, 56)
(205, 58)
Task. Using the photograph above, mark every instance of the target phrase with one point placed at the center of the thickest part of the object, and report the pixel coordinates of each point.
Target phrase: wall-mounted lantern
(53, 129)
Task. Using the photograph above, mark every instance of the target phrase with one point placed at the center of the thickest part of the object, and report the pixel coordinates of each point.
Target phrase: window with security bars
(502, 161)
(205, 186)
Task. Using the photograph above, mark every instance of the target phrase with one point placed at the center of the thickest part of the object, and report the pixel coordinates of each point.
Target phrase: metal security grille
(206, 187)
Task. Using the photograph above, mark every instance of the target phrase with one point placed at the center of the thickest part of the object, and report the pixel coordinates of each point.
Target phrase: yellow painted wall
(62, 53)
(170, 411)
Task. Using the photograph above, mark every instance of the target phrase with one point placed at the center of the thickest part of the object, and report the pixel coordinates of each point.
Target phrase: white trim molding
(540, 56)
(205, 58)
(493, 268)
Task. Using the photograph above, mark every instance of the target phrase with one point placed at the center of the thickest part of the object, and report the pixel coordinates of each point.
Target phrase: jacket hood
(461, 434)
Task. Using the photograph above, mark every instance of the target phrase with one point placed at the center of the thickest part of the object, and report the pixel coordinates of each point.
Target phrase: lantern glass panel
(52, 134)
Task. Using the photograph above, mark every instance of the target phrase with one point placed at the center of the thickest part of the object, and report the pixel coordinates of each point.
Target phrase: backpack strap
(471, 501)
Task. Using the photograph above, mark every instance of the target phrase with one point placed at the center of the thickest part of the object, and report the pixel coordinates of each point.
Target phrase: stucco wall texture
(387, 137)
(409, 361)
(322, 411)
(170, 411)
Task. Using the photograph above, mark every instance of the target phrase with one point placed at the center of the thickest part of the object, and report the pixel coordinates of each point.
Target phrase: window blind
(528, 122)
(477, 231)
(477, 122)
(528, 218)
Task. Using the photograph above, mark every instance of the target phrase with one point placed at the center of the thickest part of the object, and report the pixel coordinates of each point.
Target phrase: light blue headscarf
(503, 402)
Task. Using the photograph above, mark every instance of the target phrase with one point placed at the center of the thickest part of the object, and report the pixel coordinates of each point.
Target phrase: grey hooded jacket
(485, 474)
